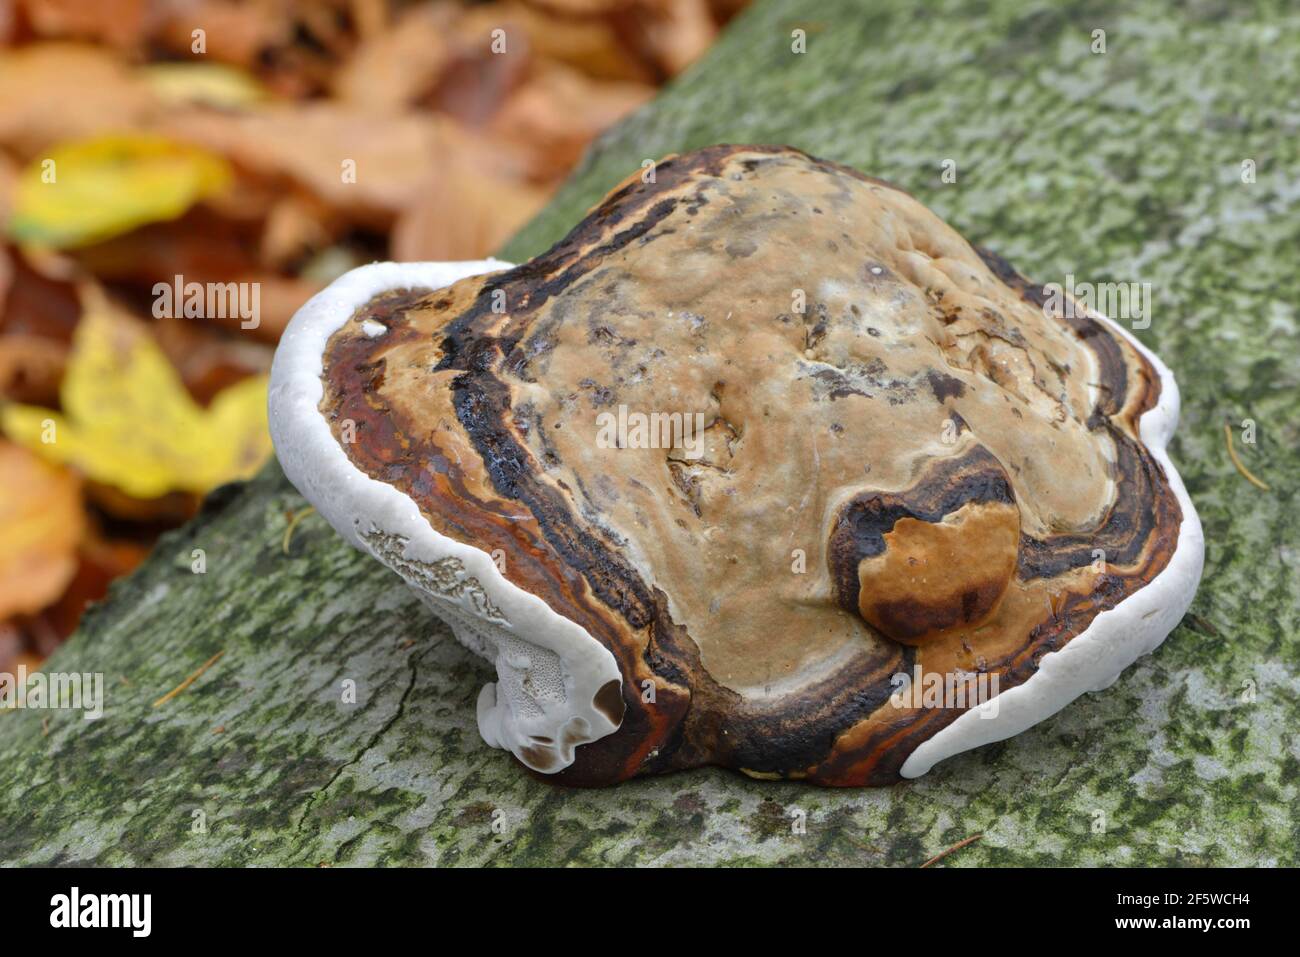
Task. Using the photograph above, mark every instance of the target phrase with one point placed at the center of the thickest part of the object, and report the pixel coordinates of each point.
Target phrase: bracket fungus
(759, 437)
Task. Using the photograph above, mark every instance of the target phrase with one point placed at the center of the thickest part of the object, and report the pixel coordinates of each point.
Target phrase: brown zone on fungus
(464, 456)
(939, 556)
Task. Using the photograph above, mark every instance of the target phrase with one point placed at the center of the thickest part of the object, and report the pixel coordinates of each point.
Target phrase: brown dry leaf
(161, 511)
(13, 651)
(118, 23)
(31, 368)
(393, 69)
(99, 561)
(583, 7)
(37, 317)
(464, 214)
(9, 171)
(370, 17)
(558, 112)
(296, 226)
(280, 297)
(33, 350)
(292, 45)
(41, 523)
(52, 92)
(56, 265)
(247, 202)
(478, 78)
(200, 246)
(208, 359)
(590, 44)
(671, 33)
(234, 33)
(39, 305)
(365, 165)
(322, 23)
(724, 10)
(492, 157)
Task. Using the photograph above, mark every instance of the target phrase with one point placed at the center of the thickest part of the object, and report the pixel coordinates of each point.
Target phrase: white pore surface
(1115, 638)
(549, 668)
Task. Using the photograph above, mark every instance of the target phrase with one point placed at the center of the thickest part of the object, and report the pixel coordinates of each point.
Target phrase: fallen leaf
(558, 112)
(31, 367)
(208, 359)
(99, 561)
(211, 84)
(464, 214)
(161, 513)
(576, 38)
(238, 34)
(279, 298)
(128, 421)
(54, 92)
(39, 305)
(489, 57)
(200, 246)
(673, 34)
(585, 7)
(296, 226)
(119, 23)
(41, 523)
(394, 68)
(363, 164)
(8, 184)
(90, 190)
(6, 274)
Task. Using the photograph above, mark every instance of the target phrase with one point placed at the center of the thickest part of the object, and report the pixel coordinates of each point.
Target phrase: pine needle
(1232, 454)
(956, 847)
(190, 680)
(294, 519)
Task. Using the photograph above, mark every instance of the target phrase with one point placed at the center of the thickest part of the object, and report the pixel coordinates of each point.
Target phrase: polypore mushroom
(756, 438)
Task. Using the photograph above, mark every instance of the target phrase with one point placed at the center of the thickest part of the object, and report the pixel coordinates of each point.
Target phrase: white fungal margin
(1114, 639)
(549, 668)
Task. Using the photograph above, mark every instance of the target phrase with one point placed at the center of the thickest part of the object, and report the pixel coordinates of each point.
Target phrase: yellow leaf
(89, 190)
(41, 523)
(128, 422)
(212, 84)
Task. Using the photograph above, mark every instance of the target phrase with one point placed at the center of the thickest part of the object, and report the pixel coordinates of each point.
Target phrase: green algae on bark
(1123, 166)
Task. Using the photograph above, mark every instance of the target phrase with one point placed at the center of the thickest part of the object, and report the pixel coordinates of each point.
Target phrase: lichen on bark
(1119, 166)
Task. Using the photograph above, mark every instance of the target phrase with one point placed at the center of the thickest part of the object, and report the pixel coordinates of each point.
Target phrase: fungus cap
(752, 441)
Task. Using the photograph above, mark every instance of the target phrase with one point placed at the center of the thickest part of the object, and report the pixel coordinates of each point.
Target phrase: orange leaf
(41, 523)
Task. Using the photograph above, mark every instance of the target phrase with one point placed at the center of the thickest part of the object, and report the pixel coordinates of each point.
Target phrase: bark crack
(413, 664)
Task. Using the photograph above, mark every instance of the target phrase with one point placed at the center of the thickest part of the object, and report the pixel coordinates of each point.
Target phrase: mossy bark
(1123, 166)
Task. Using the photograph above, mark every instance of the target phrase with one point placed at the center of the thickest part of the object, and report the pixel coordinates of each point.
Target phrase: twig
(956, 847)
(190, 680)
(294, 519)
(1232, 454)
